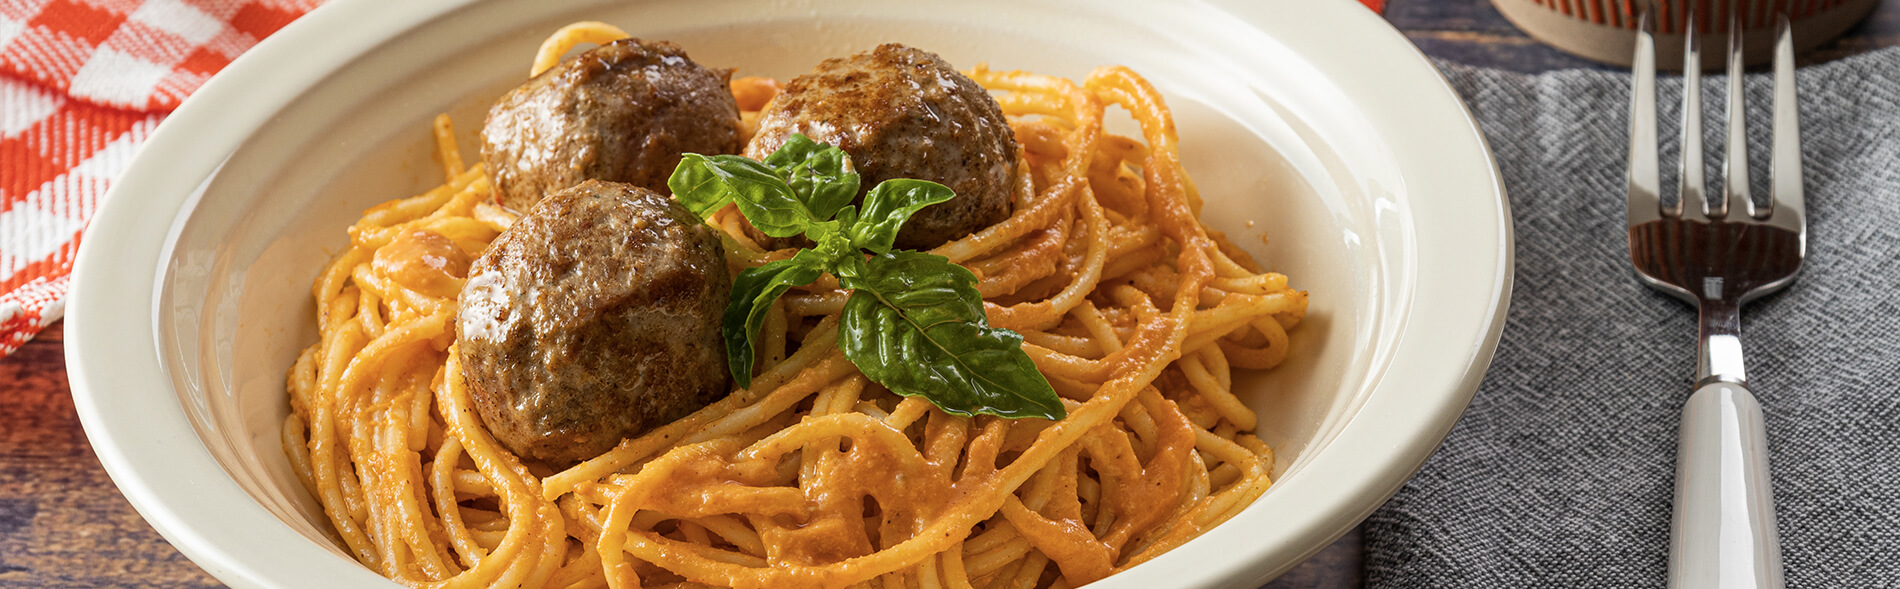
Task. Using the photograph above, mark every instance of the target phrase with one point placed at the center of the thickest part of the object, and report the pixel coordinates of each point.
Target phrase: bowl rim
(155, 457)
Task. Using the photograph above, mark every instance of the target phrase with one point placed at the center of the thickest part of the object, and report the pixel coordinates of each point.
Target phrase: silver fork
(1718, 256)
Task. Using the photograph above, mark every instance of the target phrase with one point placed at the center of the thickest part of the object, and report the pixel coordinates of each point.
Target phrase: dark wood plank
(1472, 32)
(1340, 566)
(1476, 16)
(62, 522)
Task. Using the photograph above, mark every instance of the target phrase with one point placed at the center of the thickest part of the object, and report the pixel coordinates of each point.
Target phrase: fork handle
(1723, 534)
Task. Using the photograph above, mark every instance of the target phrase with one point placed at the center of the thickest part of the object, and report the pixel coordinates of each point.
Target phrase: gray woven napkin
(1561, 471)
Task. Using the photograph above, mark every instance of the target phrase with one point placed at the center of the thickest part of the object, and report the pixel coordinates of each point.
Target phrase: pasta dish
(787, 445)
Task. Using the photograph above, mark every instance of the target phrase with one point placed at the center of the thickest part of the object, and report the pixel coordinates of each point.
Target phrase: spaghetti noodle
(815, 476)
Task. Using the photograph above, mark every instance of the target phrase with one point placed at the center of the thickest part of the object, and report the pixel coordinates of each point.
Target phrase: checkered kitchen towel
(82, 82)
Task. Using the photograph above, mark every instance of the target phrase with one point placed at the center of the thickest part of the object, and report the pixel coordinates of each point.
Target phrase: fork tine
(1691, 204)
(1784, 178)
(1645, 181)
(1735, 191)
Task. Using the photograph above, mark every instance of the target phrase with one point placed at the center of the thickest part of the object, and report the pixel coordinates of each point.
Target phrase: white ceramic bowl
(1309, 120)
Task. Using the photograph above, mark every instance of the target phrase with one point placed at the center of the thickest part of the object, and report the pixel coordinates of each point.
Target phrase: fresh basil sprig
(914, 322)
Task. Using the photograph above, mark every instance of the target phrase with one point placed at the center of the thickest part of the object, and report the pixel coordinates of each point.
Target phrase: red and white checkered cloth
(82, 83)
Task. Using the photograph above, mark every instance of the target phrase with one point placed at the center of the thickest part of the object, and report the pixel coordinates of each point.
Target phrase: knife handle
(1723, 533)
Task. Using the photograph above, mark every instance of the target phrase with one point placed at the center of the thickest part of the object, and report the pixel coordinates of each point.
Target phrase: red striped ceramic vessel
(1604, 30)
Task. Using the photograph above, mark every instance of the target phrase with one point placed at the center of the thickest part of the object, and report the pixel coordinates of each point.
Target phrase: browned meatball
(594, 318)
(904, 113)
(624, 112)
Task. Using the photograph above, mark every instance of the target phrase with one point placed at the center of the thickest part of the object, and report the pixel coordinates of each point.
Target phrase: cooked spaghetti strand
(816, 476)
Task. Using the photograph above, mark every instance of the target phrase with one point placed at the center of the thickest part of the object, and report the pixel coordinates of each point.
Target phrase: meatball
(901, 112)
(623, 112)
(594, 318)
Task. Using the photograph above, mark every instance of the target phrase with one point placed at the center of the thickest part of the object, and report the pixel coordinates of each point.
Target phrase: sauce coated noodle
(1134, 311)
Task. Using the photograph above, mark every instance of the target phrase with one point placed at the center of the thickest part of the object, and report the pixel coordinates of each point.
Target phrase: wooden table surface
(63, 523)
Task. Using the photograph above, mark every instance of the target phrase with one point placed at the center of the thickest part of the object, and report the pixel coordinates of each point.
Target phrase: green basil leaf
(819, 175)
(753, 292)
(847, 216)
(704, 184)
(915, 324)
(696, 184)
(823, 231)
(888, 206)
